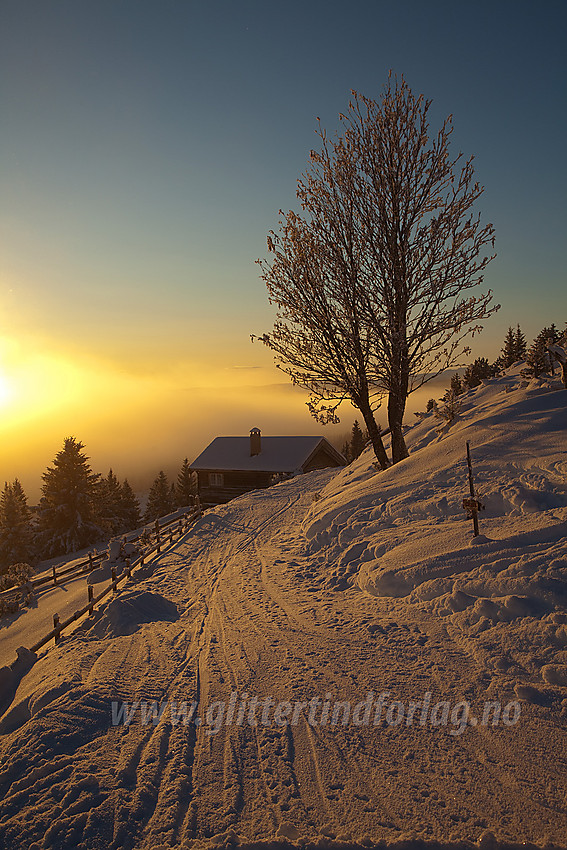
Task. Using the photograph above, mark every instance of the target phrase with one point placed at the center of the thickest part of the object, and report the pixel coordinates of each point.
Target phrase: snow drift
(403, 532)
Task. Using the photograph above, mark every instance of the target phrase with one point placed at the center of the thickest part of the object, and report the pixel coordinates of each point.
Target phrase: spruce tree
(514, 349)
(346, 451)
(185, 486)
(456, 384)
(108, 497)
(497, 366)
(520, 344)
(451, 408)
(508, 351)
(553, 334)
(26, 522)
(160, 499)
(15, 527)
(18, 491)
(538, 359)
(129, 507)
(454, 389)
(477, 372)
(68, 506)
(356, 440)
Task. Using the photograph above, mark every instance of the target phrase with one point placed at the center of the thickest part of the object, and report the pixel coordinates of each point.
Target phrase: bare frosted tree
(424, 243)
(322, 337)
(372, 282)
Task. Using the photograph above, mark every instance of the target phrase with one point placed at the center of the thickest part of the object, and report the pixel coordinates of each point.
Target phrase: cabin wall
(235, 483)
(321, 460)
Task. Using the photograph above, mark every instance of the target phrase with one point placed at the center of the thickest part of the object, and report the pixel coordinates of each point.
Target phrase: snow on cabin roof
(278, 454)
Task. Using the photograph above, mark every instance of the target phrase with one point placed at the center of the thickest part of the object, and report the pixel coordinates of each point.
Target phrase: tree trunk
(398, 390)
(399, 358)
(374, 434)
(396, 409)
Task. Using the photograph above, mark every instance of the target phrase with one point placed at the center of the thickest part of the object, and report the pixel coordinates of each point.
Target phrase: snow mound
(125, 614)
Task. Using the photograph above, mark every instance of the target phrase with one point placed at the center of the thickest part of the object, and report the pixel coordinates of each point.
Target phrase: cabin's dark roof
(278, 454)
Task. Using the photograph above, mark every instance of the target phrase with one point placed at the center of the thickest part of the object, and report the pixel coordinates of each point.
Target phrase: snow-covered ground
(31, 623)
(333, 662)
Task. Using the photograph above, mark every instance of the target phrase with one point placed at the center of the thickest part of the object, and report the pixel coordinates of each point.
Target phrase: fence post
(57, 628)
(157, 537)
(90, 560)
(180, 527)
(474, 509)
(128, 568)
(113, 574)
(90, 591)
(54, 575)
(472, 505)
(198, 505)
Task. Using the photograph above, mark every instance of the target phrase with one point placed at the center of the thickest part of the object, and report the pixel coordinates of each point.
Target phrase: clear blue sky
(147, 147)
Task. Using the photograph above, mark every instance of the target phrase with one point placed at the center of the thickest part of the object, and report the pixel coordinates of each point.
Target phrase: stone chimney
(255, 442)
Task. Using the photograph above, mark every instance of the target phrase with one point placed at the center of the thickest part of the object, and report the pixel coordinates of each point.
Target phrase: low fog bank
(138, 447)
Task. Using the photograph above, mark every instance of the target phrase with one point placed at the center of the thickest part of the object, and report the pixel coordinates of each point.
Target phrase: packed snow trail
(254, 617)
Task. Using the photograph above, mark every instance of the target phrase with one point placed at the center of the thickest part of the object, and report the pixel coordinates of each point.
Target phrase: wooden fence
(163, 534)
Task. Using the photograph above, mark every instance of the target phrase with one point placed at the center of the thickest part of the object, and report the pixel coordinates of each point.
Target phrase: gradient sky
(145, 150)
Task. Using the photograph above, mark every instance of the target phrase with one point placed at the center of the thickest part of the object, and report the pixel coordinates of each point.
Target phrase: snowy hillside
(333, 662)
(402, 533)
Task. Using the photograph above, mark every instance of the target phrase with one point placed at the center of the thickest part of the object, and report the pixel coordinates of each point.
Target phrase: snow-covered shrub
(20, 573)
(450, 409)
(7, 606)
(16, 575)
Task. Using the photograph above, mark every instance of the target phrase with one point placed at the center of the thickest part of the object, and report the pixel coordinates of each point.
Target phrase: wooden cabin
(231, 466)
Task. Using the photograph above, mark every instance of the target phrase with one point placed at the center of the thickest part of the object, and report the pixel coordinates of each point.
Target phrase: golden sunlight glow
(133, 415)
(139, 413)
(5, 391)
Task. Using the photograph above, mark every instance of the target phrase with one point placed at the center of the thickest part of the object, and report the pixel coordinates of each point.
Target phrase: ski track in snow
(324, 585)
